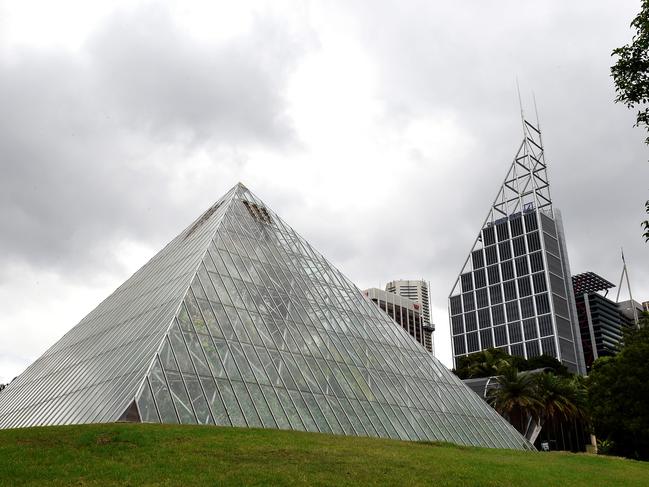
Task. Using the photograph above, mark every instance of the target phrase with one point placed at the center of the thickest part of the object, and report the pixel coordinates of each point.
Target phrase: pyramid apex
(240, 185)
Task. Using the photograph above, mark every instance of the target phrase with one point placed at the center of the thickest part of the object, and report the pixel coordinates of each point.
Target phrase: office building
(405, 312)
(514, 291)
(416, 291)
(601, 321)
(239, 322)
(631, 311)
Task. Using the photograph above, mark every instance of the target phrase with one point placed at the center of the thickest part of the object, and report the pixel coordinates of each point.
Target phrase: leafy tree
(547, 362)
(631, 77)
(619, 395)
(516, 397)
(561, 398)
(491, 361)
(485, 363)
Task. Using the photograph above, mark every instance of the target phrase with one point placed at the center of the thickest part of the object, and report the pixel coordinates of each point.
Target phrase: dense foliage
(550, 393)
(631, 76)
(618, 390)
(492, 362)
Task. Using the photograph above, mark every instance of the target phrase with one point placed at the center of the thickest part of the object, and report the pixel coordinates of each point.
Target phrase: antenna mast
(625, 273)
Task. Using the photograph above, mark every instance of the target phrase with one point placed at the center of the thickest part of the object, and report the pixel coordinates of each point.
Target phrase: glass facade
(265, 333)
(522, 305)
(514, 292)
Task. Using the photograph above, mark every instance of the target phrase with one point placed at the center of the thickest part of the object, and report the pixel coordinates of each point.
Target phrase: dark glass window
(548, 347)
(482, 298)
(498, 313)
(517, 226)
(507, 270)
(529, 328)
(542, 304)
(500, 336)
(505, 250)
(456, 305)
(510, 290)
(503, 231)
(532, 349)
(554, 264)
(488, 236)
(517, 350)
(483, 318)
(458, 345)
(469, 303)
(480, 278)
(539, 283)
(515, 334)
(519, 246)
(470, 322)
(496, 294)
(524, 286)
(493, 273)
(522, 268)
(491, 255)
(527, 307)
(551, 244)
(536, 259)
(548, 225)
(530, 222)
(467, 282)
(533, 241)
(545, 325)
(472, 342)
(512, 311)
(478, 259)
(487, 341)
(458, 327)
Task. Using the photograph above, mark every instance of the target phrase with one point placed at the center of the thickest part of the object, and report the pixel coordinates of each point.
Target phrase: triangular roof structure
(240, 322)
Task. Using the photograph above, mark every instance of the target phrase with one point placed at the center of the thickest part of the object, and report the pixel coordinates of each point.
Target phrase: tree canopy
(492, 362)
(618, 390)
(631, 77)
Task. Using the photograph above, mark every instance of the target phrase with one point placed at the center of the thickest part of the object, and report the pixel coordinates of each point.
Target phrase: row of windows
(480, 278)
(515, 331)
(510, 290)
(503, 251)
(502, 229)
(534, 348)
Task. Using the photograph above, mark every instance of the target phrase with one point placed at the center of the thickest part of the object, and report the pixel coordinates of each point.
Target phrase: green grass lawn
(130, 454)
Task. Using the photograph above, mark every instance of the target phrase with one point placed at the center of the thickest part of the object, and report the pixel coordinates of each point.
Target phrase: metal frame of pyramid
(240, 322)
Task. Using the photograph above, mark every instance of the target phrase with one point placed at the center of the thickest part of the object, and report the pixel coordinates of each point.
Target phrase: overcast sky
(380, 131)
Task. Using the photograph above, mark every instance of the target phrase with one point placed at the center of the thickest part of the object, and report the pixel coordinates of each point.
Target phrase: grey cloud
(437, 60)
(93, 142)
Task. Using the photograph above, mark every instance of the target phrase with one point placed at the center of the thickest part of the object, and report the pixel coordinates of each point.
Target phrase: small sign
(545, 446)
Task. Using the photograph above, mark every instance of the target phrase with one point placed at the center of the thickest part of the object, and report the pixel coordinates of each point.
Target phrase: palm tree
(558, 397)
(491, 363)
(515, 397)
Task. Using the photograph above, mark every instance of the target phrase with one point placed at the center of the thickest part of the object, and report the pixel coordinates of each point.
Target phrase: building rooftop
(589, 282)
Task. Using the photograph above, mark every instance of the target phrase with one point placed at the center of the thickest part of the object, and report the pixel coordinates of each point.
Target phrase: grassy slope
(187, 455)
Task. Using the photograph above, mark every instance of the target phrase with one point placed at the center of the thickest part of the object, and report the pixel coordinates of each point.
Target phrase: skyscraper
(600, 319)
(514, 290)
(239, 322)
(415, 290)
(405, 312)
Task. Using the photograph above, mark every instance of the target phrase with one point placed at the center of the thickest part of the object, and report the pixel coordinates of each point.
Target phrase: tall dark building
(514, 290)
(601, 320)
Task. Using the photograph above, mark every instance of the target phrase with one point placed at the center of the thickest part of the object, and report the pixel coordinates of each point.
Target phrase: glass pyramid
(240, 322)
